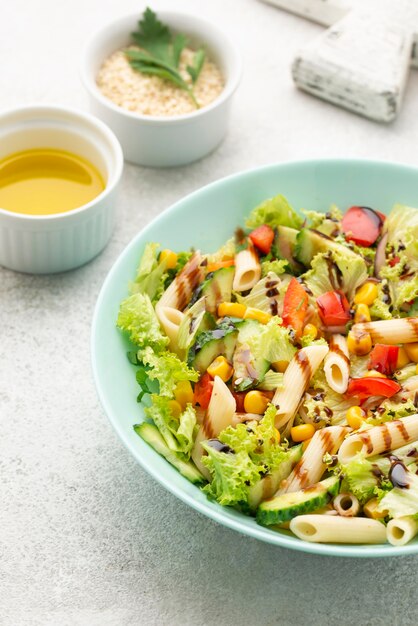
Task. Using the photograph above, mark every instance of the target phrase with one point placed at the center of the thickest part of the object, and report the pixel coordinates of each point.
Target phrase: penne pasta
(337, 364)
(179, 293)
(220, 415)
(247, 270)
(311, 467)
(347, 505)
(379, 439)
(170, 319)
(295, 382)
(400, 531)
(390, 332)
(336, 529)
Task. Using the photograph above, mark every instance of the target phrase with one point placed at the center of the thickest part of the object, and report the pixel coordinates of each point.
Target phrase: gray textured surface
(86, 537)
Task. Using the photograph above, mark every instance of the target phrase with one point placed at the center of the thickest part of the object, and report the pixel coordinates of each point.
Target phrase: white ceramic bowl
(164, 141)
(41, 244)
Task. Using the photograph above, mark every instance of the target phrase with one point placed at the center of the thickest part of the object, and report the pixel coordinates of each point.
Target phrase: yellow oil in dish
(45, 181)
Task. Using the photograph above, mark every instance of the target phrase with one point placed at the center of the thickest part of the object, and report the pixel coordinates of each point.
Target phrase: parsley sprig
(161, 51)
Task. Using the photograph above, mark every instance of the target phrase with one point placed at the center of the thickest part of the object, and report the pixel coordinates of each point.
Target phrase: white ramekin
(41, 244)
(164, 141)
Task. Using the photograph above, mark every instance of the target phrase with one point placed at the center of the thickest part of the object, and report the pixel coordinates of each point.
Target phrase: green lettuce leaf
(324, 404)
(257, 438)
(137, 317)
(231, 476)
(178, 433)
(272, 342)
(358, 365)
(272, 380)
(151, 275)
(254, 452)
(366, 478)
(359, 479)
(274, 212)
(168, 369)
(405, 291)
(401, 226)
(345, 273)
(390, 410)
(405, 372)
(258, 298)
(227, 251)
(401, 502)
(328, 223)
(278, 266)
(309, 340)
(380, 309)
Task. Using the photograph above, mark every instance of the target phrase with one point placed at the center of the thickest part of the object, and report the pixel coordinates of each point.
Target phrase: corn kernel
(175, 408)
(257, 314)
(255, 402)
(362, 314)
(359, 344)
(280, 366)
(233, 309)
(277, 433)
(310, 330)
(370, 507)
(403, 359)
(366, 294)
(355, 417)
(302, 432)
(416, 368)
(306, 443)
(183, 393)
(411, 350)
(374, 374)
(221, 367)
(169, 257)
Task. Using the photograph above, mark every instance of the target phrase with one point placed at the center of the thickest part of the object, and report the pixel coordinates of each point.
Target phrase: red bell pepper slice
(262, 237)
(295, 306)
(383, 359)
(334, 308)
(203, 391)
(362, 225)
(367, 387)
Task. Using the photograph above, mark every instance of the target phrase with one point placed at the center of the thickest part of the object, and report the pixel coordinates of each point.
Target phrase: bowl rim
(231, 84)
(216, 514)
(98, 125)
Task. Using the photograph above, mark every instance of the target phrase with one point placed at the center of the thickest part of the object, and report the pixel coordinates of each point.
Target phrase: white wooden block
(356, 67)
(328, 12)
(325, 12)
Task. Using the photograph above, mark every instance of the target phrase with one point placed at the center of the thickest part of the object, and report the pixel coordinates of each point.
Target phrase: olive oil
(46, 181)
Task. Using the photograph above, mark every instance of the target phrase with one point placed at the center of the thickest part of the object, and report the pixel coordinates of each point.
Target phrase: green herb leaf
(160, 53)
(179, 43)
(153, 36)
(198, 61)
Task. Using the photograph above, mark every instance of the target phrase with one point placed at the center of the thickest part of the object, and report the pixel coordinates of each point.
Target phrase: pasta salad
(279, 373)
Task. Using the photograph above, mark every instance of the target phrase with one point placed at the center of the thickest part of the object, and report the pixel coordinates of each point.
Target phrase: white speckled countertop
(86, 537)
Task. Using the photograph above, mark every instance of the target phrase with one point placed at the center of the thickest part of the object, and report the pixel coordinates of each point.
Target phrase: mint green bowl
(205, 219)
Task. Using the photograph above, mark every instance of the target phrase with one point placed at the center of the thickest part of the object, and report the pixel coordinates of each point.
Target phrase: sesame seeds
(151, 95)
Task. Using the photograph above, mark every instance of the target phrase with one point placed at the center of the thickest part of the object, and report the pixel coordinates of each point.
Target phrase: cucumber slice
(249, 367)
(217, 288)
(268, 485)
(311, 242)
(288, 505)
(285, 242)
(151, 434)
(195, 320)
(212, 343)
